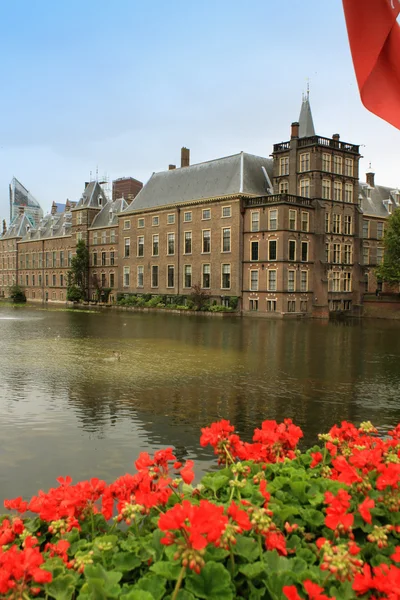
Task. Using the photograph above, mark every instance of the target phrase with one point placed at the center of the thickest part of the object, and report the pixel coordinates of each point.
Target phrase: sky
(121, 86)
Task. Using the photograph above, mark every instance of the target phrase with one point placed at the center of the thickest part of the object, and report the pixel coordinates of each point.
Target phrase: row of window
(226, 211)
(367, 257)
(60, 281)
(328, 160)
(273, 220)
(339, 281)
(225, 276)
(339, 253)
(51, 259)
(187, 243)
(334, 222)
(101, 237)
(305, 189)
(273, 250)
(101, 258)
(290, 282)
(271, 305)
(379, 229)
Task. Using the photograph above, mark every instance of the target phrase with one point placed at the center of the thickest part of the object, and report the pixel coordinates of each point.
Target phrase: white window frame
(226, 208)
(206, 211)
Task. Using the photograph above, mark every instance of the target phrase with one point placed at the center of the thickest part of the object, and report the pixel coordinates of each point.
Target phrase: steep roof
(55, 225)
(108, 215)
(375, 201)
(239, 174)
(18, 228)
(92, 197)
(306, 123)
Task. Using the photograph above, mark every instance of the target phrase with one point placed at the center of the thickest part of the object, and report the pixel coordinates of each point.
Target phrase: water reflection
(69, 408)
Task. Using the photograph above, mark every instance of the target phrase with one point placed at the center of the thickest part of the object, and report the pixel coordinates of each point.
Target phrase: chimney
(336, 137)
(67, 206)
(294, 130)
(4, 227)
(171, 167)
(53, 208)
(370, 178)
(185, 157)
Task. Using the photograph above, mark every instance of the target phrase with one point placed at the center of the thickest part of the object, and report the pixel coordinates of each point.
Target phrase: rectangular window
(255, 220)
(69, 257)
(94, 259)
(127, 224)
(327, 222)
(304, 162)
(326, 163)
(61, 258)
(254, 250)
(226, 239)
(271, 305)
(140, 245)
(348, 192)
(188, 243)
(379, 230)
(187, 276)
(95, 238)
(348, 167)
(154, 276)
(365, 228)
(226, 277)
(291, 281)
(366, 256)
(337, 164)
(336, 281)
(103, 280)
(47, 280)
(126, 276)
(187, 216)
(206, 214)
(54, 280)
(292, 219)
(348, 254)
(336, 253)
(171, 219)
(253, 305)
(103, 259)
(206, 283)
(155, 247)
(140, 223)
(140, 276)
(291, 305)
(336, 223)
(26, 279)
(292, 250)
(155, 221)
(127, 247)
(79, 236)
(104, 237)
(284, 187)
(284, 165)
(337, 191)
(54, 259)
(379, 256)
(41, 260)
(254, 280)
(112, 280)
(347, 282)
(348, 225)
(304, 251)
(61, 280)
(47, 264)
(272, 280)
(170, 276)
(305, 188)
(326, 189)
(305, 221)
(112, 236)
(304, 281)
(226, 211)
(33, 261)
(33, 280)
(273, 219)
(112, 257)
(272, 250)
(206, 243)
(27, 261)
(170, 243)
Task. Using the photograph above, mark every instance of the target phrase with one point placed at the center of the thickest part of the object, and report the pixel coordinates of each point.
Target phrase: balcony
(277, 199)
(319, 141)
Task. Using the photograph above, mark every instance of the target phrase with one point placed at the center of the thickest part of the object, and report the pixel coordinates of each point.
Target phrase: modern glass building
(20, 196)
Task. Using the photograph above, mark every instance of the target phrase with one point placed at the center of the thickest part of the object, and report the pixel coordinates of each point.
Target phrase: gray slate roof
(374, 201)
(92, 196)
(50, 226)
(239, 174)
(306, 123)
(18, 227)
(108, 215)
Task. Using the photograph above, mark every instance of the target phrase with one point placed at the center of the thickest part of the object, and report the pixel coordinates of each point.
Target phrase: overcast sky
(121, 86)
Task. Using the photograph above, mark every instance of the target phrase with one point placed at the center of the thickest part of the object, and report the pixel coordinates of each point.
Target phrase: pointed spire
(306, 128)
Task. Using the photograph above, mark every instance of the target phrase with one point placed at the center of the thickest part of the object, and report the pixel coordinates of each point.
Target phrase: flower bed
(271, 523)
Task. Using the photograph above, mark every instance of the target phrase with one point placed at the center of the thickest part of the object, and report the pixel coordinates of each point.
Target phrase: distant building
(21, 197)
(126, 187)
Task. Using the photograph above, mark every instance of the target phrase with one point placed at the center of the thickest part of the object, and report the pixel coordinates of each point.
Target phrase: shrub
(220, 308)
(154, 301)
(180, 300)
(272, 523)
(198, 297)
(233, 302)
(17, 294)
(74, 293)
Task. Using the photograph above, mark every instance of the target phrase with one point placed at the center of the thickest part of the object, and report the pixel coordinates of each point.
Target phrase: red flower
(316, 459)
(363, 581)
(187, 472)
(290, 592)
(396, 555)
(364, 507)
(314, 591)
(336, 516)
(16, 504)
(275, 540)
(216, 433)
(346, 473)
(239, 516)
(389, 476)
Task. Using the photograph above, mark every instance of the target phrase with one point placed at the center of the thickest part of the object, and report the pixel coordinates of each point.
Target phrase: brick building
(126, 187)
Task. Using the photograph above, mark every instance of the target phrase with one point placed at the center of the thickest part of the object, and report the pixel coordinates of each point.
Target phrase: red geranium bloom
(336, 515)
(291, 592)
(396, 555)
(187, 472)
(345, 472)
(364, 508)
(314, 591)
(389, 476)
(239, 516)
(316, 459)
(275, 540)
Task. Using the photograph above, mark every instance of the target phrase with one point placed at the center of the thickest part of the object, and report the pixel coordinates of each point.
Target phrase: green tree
(389, 270)
(78, 275)
(17, 294)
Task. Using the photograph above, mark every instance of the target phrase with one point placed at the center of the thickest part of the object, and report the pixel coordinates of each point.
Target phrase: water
(69, 408)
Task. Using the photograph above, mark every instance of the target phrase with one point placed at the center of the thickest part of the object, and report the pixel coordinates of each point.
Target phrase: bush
(17, 294)
(233, 302)
(180, 300)
(272, 523)
(154, 301)
(220, 308)
(74, 293)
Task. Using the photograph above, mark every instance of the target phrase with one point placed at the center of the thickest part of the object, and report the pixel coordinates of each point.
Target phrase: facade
(295, 234)
(20, 197)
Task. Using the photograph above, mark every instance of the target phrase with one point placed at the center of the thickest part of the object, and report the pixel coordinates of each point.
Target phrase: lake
(69, 408)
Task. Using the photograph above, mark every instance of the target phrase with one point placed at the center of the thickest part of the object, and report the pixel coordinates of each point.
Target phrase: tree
(17, 294)
(199, 297)
(389, 270)
(78, 275)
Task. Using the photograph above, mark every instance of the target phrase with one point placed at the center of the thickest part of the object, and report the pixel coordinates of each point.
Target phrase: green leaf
(126, 561)
(152, 583)
(215, 481)
(275, 562)
(213, 583)
(61, 588)
(313, 517)
(137, 595)
(166, 569)
(299, 490)
(246, 548)
(253, 570)
(217, 554)
(102, 583)
(182, 595)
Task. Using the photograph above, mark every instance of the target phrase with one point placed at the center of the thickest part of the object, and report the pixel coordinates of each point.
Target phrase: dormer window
(100, 200)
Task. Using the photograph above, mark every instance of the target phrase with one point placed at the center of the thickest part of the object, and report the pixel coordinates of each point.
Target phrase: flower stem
(178, 584)
(260, 548)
